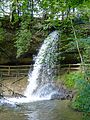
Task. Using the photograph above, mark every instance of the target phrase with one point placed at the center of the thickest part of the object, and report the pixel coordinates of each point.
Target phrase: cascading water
(43, 71)
(40, 79)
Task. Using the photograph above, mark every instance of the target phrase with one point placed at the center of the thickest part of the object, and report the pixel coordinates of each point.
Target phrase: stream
(41, 110)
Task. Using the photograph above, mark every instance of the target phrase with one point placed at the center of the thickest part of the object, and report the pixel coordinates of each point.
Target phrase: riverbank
(12, 85)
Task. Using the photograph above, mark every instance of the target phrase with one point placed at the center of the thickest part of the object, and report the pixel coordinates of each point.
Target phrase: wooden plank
(14, 69)
(15, 65)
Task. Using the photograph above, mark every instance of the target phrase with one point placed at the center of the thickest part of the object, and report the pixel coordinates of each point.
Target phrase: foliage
(55, 13)
(1, 34)
(72, 78)
(23, 39)
(83, 44)
(86, 116)
(82, 100)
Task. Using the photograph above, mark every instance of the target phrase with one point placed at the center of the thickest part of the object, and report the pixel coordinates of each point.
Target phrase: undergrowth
(81, 101)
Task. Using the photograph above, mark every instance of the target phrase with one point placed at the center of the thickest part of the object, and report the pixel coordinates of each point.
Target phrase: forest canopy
(22, 15)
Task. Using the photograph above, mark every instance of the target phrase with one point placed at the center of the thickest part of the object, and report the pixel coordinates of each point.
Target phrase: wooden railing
(22, 70)
(71, 66)
(75, 67)
(19, 70)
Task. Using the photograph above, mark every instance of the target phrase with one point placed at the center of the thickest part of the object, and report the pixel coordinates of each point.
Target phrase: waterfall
(43, 71)
(40, 85)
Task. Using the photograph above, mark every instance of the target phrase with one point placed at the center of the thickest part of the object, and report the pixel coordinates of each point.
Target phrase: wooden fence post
(8, 70)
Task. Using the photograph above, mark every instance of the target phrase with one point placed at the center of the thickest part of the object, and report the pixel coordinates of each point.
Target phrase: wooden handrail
(15, 66)
(12, 70)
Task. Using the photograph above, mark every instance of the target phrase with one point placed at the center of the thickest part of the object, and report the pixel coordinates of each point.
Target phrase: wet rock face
(58, 96)
(61, 96)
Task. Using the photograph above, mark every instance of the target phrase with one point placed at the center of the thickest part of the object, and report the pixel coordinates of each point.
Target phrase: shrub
(72, 78)
(82, 100)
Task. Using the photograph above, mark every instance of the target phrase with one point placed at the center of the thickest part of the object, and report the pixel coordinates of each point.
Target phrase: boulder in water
(58, 96)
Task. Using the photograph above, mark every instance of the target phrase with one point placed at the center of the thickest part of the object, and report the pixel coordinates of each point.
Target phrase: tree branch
(77, 44)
